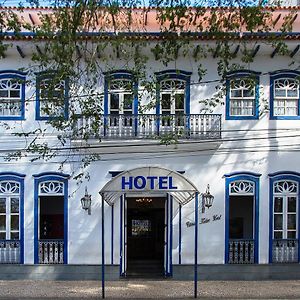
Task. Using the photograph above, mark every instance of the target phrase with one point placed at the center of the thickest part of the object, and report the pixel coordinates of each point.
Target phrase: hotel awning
(150, 180)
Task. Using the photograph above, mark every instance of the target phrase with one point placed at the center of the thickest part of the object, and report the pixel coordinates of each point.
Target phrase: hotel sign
(148, 182)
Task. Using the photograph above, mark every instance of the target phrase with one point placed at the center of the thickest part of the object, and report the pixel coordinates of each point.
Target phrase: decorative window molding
(12, 217)
(51, 97)
(12, 95)
(51, 188)
(173, 92)
(285, 95)
(241, 187)
(242, 95)
(9, 187)
(284, 217)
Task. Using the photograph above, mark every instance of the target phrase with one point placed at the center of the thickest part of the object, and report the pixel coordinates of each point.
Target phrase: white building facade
(247, 151)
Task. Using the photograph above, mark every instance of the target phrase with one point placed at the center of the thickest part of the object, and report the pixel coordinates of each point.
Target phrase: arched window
(242, 95)
(284, 224)
(284, 95)
(51, 218)
(11, 218)
(174, 92)
(51, 96)
(173, 103)
(120, 103)
(12, 95)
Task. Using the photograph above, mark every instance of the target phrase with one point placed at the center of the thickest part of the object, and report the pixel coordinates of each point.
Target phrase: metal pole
(103, 256)
(196, 247)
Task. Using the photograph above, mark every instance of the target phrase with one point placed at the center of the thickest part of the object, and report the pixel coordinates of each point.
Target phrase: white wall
(201, 168)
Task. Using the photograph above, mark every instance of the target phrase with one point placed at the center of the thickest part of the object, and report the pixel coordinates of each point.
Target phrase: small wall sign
(205, 220)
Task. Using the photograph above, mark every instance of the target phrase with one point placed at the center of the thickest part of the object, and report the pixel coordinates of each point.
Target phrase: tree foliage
(79, 40)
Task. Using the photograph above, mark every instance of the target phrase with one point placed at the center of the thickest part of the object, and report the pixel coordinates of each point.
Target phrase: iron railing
(241, 251)
(285, 251)
(9, 251)
(194, 126)
(51, 251)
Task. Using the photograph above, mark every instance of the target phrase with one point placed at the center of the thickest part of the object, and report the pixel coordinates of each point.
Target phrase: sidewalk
(139, 289)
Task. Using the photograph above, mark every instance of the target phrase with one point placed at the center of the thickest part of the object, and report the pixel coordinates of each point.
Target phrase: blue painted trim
(277, 75)
(241, 73)
(13, 72)
(103, 249)
(38, 178)
(21, 76)
(47, 75)
(167, 237)
(171, 237)
(57, 174)
(179, 232)
(174, 74)
(160, 75)
(238, 74)
(12, 174)
(255, 180)
(20, 179)
(241, 173)
(285, 175)
(196, 248)
(121, 235)
(125, 234)
(112, 234)
(115, 173)
(238, 35)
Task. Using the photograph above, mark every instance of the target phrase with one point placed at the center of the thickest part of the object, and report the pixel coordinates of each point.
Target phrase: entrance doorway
(241, 229)
(145, 236)
(51, 229)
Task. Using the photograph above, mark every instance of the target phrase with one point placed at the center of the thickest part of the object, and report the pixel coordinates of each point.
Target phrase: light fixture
(207, 199)
(143, 200)
(86, 201)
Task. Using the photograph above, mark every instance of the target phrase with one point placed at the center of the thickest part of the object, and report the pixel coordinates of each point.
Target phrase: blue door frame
(48, 176)
(249, 176)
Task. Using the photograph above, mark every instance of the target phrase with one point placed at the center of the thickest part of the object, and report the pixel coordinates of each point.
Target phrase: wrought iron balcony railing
(51, 251)
(285, 251)
(241, 251)
(195, 126)
(9, 251)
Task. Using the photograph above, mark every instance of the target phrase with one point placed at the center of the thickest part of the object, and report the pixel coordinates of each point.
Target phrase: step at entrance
(145, 269)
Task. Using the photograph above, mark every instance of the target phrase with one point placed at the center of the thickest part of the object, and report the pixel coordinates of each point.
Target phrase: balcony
(150, 126)
(9, 251)
(241, 251)
(51, 251)
(285, 251)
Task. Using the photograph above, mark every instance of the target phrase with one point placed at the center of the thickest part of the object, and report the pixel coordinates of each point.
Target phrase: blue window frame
(120, 100)
(50, 185)
(173, 92)
(12, 95)
(285, 95)
(120, 93)
(284, 217)
(12, 217)
(173, 100)
(242, 95)
(241, 185)
(51, 97)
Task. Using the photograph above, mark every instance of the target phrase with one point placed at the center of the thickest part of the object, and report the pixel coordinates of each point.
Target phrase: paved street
(139, 289)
